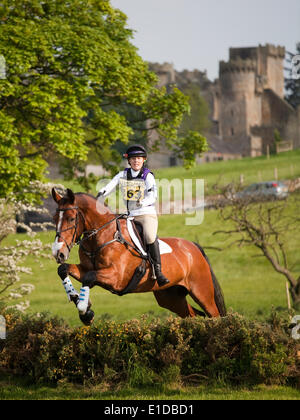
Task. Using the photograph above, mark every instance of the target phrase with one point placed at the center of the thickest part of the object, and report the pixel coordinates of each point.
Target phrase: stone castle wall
(246, 102)
(252, 101)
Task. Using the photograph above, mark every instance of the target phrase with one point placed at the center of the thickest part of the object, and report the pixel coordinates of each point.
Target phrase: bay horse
(109, 258)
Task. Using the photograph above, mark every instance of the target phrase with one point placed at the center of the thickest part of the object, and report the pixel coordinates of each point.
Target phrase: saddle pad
(163, 246)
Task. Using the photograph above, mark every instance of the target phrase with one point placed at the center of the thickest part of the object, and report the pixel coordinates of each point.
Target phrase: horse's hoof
(88, 318)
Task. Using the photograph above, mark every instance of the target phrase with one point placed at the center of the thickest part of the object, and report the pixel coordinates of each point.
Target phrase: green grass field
(250, 285)
(253, 170)
(20, 390)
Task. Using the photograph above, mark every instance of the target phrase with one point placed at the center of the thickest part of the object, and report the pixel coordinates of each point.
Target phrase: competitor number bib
(133, 190)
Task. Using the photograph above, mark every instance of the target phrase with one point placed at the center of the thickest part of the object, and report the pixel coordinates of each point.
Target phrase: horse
(110, 259)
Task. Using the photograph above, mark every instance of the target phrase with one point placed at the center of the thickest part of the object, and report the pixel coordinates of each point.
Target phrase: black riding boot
(156, 260)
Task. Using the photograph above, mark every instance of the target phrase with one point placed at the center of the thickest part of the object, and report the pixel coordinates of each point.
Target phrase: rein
(118, 237)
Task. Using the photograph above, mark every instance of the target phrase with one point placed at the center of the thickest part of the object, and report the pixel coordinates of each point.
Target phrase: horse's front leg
(74, 270)
(80, 299)
(106, 277)
(89, 280)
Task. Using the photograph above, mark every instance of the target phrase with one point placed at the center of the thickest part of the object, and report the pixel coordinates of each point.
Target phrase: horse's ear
(70, 195)
(56, 196)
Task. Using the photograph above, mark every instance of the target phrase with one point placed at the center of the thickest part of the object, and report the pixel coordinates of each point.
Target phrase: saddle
(136, 233)
(139, 232)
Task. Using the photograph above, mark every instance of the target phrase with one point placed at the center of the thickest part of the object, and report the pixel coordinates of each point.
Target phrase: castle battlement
(159, 68)
(273, 51)
(265, 61)
(238, 65)
(165, 72)
(246, 101)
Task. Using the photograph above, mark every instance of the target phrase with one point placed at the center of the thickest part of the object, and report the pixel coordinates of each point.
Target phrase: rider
(140, 194)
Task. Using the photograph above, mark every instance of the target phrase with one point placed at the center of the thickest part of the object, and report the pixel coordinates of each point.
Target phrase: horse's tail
(219, 297)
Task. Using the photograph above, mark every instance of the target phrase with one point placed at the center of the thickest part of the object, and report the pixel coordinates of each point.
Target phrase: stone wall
(251, 104)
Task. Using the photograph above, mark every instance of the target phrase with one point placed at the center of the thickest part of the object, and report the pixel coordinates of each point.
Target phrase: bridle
(75, 226)
(78, 240)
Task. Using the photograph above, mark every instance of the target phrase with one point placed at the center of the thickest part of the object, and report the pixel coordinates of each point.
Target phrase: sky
(197, 34)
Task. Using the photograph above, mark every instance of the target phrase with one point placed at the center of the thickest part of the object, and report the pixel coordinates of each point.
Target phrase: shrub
(147, 353)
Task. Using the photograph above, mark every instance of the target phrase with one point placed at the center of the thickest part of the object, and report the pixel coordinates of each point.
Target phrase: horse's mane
(86, 195)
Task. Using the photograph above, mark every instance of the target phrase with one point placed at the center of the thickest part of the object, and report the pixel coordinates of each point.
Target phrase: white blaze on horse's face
(56, 246)
(66, 220)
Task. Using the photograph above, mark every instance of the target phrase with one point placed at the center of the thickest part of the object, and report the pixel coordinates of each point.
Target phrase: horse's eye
(72, 219)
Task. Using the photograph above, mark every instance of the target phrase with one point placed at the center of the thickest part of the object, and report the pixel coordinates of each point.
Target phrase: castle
(246, 104)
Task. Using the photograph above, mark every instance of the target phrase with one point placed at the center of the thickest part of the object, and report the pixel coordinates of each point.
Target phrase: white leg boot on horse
(67, 283)
(70, 290)
(88, 282)
(80, 299)
(83, 303)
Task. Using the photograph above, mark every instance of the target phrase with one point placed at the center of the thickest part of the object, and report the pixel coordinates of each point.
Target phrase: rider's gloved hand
(100, 194)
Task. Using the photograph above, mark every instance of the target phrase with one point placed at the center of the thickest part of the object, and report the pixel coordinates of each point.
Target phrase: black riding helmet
(136, 150)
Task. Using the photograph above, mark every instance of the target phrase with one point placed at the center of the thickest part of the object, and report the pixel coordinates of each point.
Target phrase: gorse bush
(150, 353)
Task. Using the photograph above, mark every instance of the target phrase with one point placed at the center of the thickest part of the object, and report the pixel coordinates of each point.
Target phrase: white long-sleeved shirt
(150, 194)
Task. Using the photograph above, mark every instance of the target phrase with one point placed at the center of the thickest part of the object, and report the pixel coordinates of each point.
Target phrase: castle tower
(244, 80)
(165, 73)
(269, 61)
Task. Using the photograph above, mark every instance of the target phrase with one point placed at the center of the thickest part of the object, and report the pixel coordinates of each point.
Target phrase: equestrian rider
(140, 193)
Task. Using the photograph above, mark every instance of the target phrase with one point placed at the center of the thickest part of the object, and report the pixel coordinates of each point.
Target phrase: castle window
(232, 131)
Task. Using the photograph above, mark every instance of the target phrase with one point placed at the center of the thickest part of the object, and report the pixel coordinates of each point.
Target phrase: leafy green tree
(71, 74)
(198, 118)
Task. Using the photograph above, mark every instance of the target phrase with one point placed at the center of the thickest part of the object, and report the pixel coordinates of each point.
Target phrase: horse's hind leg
(203, 293)
(208, 305)
(174, 299)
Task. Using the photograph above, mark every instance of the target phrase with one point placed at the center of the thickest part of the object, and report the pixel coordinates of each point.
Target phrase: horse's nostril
(61, 256)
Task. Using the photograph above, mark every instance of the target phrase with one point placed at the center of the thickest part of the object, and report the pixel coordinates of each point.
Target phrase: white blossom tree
(13, 257)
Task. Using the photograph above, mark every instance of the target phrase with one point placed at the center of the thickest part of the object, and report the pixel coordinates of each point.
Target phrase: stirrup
(153, 269)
